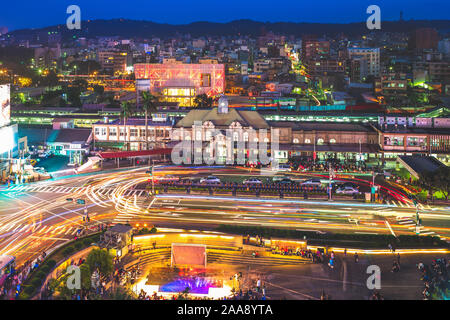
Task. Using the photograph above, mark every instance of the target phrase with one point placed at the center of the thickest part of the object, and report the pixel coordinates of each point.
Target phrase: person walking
(356, 257)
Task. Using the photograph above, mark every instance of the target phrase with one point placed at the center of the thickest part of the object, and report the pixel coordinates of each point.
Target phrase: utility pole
(330, 177)
(153, 182)
(417, 217)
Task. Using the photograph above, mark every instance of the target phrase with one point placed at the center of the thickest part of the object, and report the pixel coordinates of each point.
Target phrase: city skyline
(41, 15)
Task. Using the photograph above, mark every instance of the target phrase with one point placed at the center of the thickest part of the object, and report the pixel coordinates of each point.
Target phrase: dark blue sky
(18, 14)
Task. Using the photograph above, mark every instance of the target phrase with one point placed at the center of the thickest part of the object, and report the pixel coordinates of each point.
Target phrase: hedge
(368, 240)
(37, 276)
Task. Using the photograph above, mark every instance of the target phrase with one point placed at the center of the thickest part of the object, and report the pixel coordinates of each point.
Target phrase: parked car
(286, 181)
(166, 178)
(282, 167)
(252, 181)
(278, 178)
(311, 182)
(349, 184)
(347, 190)
(210, 180)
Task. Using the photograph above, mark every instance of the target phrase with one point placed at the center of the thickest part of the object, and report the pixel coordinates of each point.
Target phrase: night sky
(34, 14)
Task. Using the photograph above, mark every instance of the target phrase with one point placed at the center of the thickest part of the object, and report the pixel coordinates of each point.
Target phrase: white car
(282, 167)
(210, 180)
(252, 181)
(346, 190)
(311, 182)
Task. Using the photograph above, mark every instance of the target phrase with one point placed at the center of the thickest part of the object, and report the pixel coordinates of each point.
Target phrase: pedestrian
(258, 285)
(345, 252)
(356, 257)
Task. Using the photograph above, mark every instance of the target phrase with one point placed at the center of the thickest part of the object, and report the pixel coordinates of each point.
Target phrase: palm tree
(149, 106)
(126, 112)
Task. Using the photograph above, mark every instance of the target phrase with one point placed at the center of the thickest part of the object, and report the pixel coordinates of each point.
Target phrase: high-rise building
(424, 38)
(368, 60)
(315, 49)
(182, 82)
(113, 61)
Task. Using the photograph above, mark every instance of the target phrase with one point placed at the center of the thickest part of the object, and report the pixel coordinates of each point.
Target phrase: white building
(371, 57)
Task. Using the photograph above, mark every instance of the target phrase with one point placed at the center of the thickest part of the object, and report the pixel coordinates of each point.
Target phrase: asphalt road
(37, 217)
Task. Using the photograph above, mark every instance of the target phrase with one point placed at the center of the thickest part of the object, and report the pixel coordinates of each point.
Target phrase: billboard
(4, 105)
(188, 254)
(205, 78)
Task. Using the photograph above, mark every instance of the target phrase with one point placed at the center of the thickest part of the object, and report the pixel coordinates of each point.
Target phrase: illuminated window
(198, 135)
(320, 141)
(295, 141)
(332, 140)
(307, 140)
(245, 136)
(206, 80)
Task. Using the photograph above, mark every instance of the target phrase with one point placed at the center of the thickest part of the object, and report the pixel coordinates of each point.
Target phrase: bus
(7, 265)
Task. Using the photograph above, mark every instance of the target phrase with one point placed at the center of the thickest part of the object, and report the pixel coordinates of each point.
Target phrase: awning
(134, 154)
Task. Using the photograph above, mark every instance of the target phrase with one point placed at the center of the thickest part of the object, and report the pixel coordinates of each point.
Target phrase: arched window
(245, 136)
(295, 140)
(266, 139)
(332, 140)
(198, 135)
(319, 141)
(187, 137)
(256, 140)
(307, 140)
(235, 136)
(208, 135)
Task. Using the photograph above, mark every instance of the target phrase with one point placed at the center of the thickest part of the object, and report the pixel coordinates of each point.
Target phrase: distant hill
(147, 29)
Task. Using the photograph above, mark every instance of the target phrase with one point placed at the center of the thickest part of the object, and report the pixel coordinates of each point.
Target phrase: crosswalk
(411, 224)
(71, 190)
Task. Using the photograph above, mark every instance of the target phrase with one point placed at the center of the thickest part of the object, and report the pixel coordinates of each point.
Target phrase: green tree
(101, 259)
(438, 180)
(202, 100)
(99, 91)
(149, 106)
(443, 180)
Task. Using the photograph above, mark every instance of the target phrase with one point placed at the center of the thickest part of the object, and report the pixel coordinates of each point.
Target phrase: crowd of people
(12, 285)
(308, 164)
(435, 278)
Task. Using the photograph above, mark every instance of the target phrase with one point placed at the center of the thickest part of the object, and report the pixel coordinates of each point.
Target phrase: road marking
(389, 227)
(290, 290)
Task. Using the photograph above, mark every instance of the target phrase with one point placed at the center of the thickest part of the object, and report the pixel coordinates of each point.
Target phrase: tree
(438, 180)
(50, 80)
(126, 112)
(99, 91)
(443, 180)
(202, 100)
(100, 259)
(149, 106)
